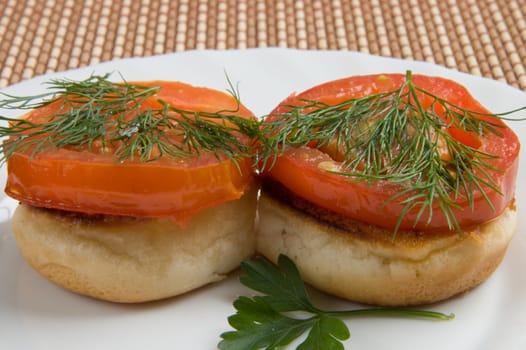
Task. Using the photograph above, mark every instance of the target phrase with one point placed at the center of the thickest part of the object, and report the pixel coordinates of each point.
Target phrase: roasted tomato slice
(93, 181)
(303, 170)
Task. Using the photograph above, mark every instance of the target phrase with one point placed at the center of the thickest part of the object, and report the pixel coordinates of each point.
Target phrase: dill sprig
(391, 137)
(98, 113)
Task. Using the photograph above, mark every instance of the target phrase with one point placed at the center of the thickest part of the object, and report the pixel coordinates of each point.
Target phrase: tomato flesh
(303, 170)
(94, 182)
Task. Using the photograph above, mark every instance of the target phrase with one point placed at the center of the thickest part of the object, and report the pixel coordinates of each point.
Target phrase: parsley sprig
(269, 321)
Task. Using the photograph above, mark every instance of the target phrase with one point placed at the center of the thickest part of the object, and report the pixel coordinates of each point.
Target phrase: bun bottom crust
(136, 260)
(362, 263)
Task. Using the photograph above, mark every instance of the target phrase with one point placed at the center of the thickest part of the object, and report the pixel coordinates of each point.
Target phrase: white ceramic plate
(35, 314)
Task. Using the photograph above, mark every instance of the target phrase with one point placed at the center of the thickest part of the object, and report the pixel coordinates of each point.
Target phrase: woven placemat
(485, 38)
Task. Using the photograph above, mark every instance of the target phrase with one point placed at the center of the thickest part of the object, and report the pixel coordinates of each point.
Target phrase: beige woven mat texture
(485, 37)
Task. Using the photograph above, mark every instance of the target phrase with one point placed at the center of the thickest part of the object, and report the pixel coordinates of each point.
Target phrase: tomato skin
(95, 183)
(299, 169)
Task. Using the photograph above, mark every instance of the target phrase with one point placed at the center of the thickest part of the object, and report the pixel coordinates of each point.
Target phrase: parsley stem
(391, 312)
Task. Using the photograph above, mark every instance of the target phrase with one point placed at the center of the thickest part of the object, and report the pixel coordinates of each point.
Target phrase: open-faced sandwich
(131, 192)
(388, 189)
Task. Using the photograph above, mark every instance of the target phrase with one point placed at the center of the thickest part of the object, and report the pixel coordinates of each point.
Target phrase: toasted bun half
(135, 260)
(363, 263)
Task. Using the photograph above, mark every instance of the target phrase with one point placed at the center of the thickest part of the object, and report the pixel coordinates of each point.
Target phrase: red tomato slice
(300, 171)
(95, 183)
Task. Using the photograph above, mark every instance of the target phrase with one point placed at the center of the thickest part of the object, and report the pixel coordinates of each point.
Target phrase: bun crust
(135, 260)
(363, 263)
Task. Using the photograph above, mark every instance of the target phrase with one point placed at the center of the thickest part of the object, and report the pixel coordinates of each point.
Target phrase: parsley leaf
(267, 321)
(260, 326)
(284, 288)
(326, 334)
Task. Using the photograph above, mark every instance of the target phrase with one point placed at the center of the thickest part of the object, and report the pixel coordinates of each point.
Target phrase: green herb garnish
(391, 137)
(267, 321)
(381, 137)
(96, 112)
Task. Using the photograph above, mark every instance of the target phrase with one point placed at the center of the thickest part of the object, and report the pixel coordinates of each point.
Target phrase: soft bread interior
(135, 260)
(364, 263)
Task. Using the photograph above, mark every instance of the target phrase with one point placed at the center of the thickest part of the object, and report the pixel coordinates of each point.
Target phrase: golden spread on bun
(388, 189)
(131, 192)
